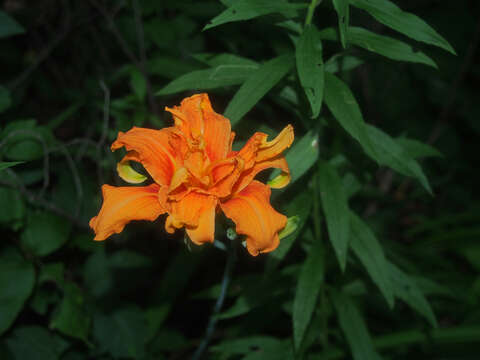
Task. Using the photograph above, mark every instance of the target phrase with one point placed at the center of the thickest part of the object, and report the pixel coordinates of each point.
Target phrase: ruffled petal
(126, 172)
(124, 204)
(254, 217)
(153, 149)
(204, 232)
(271, 149)
(281, 181)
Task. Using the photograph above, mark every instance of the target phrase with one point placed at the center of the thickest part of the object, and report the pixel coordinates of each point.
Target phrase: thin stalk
(227, 275)
(311, 10)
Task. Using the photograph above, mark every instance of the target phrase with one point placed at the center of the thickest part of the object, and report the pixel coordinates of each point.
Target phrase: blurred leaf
(122, 333)
(407, 290)
(302, 156)
(45, 233)
(71, 317)
(258, 84)
(12, 207)
(389, 152)
(341, 62)
(56, 121)
(366, 246)
(169, 67)
(250, 9)
(408, 24)
(309, 284)
(129, 259)
(354, 327)
(6, 165)
(416, 149)
(52, 272)
(35, 342)
(335, 206)
(214, 60)
(17, 278)
(97, 274)
(244, 345)
(345, 109)
(386, 46)
(308, 55)
(8, 26)
(343, 11)
(138, 83)
(5, 98)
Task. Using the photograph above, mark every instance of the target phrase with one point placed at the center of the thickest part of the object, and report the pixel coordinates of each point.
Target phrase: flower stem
(220, 300)
(311, 10)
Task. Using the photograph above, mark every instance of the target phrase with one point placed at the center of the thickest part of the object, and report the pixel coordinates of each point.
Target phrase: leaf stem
(231, 256)
(311, 10)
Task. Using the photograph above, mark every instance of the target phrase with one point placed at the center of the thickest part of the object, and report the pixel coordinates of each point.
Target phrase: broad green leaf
(310, 70)
(309, 284)
(407, 290)
(335, 206)
(354, 327)
(17, 278)
(122, 333)
(6, 165)
(219, 76)
(35, 342)
(406, 23)
(343, 12)
(345, 109)
(45, 233)
(8, 26)
(249, 9)
(169, 67)
(97, 263)
(257, 85)
(72, 318)
(341, 62)
(416, 149)
(367, 248)
(5, 99)
(386, 46)
(388, 152)
(12, 207)
(138, 83)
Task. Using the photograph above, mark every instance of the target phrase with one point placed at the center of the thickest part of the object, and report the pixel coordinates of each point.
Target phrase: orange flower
(195, 174)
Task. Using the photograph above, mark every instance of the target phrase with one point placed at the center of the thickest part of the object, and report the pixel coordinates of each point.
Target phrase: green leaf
(138, 83)
(219, 76)
(335, 206)
(407, 290)
(8, 26)
(122, 333)
(386, 46)
(343, 11)
(45, 233)
(308, 55)
(6, 165)
(72, 318)
(310, 282)
(250, 9)
(17, 278)
(35, 342)
(341, 62)
(416, 149)
(5, 99)
(214, 59)
(345, 109)
(241, 346)
(406, 23)
(389, 152)
(367, 248)
(257, 85)
(12, 207)
(354, 327)
(302, 156)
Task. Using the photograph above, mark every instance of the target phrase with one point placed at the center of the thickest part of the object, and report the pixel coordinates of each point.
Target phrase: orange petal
(124, 204)
(279, 163)
(188, 116)
(205, 231)
(152, 149)
(270, 149)
(188, 210)
(254, 217)
(126, 172)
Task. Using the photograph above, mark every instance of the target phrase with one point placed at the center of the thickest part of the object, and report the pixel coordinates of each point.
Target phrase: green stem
(227, 275)
(311, 10)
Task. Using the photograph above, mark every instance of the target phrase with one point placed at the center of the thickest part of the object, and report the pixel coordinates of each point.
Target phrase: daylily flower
(196, 174)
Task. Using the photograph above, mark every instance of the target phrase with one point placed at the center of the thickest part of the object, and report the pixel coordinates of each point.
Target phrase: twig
(218, 305)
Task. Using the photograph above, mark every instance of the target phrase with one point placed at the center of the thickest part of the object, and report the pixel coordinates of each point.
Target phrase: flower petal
(279, 182)
(124, 204)
(153, 149)
(254, 217)
(205, 231)
(270, 149)
(126, 172)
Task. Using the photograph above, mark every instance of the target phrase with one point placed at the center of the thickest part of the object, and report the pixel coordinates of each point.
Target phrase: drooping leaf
(17, 278)
(343, 12)
(384, 45)
(416, 149)
(310, 70)
(341, 62)
(367, 248)
(257, 85)
(6, 165)
(8, 26)
(309, 284)
(249, 9)
(404, 22)
(335, 206)
(354, 327)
